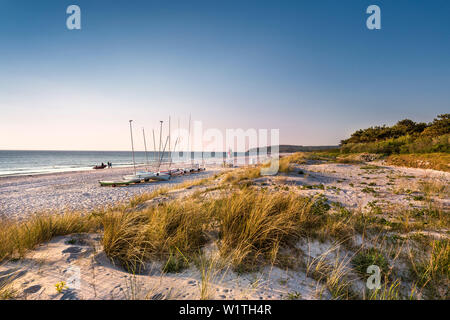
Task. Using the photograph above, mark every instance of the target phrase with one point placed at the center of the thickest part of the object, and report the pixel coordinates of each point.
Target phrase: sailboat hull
(160, 177)
(141, 176)
(124, 182)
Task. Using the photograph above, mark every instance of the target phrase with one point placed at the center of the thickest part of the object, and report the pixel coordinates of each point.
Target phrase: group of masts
(157, 174)
(160, 154)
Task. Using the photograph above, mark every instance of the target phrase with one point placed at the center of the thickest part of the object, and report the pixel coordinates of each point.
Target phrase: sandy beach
(80, 190)
(355, 186)
(21, 196)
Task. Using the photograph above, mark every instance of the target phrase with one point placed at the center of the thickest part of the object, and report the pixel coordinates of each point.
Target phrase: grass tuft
(367, 257)
(16, 237)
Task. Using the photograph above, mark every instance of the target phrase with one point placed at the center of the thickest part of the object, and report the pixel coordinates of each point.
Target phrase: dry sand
(79, 190)
(357, 185)
(64, 257)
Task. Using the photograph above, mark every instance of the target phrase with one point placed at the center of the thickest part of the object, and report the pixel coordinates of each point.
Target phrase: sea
(14, 162)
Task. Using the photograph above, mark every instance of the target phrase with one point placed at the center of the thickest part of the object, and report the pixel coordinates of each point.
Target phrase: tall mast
(154, 145)
(132, 147)
(162, 155)
(189, 139)
(145, 146)
(160, 137)
(178, 138)
(175, 146)
(169, 143)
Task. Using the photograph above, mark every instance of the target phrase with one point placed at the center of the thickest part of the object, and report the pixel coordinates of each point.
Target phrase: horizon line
(87, 150)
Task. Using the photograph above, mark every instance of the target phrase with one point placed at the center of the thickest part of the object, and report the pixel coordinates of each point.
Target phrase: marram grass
(16, 237)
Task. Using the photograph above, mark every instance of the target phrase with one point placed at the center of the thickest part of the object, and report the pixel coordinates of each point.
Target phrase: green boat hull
(117, 183)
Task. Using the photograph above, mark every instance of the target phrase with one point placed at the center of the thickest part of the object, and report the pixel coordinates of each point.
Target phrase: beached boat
(103, 166)
(146, 176)
(142, 175)
(193, 168)
(175, 172)
(124, 182)
(161, 176)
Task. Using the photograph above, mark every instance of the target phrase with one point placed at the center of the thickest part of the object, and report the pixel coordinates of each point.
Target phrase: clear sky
(309, 68)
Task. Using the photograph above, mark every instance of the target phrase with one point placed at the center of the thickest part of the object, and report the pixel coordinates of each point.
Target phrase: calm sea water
(37, 162)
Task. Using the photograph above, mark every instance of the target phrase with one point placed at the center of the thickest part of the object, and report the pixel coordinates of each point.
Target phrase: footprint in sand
(32, 289)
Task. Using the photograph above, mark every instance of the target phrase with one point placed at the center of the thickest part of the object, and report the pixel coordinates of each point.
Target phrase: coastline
(76, 170)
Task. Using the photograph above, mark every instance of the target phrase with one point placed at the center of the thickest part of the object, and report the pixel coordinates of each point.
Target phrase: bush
(437, 161)
(368, 257)
(404, 137)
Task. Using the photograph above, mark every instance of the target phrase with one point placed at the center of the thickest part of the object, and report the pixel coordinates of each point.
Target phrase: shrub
(367, 257)
(437, 161)
(403, 138)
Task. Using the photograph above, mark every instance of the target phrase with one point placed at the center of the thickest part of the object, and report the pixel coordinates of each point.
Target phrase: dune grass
(132, 238)
(332, 273)
(253, 225)
(16, 237)
(434, 188)
(435, 267)
(436, 161)
(7, 291)
(249, 224)
(388, 291)
(237, 176)
(286, 163)
(136, 200)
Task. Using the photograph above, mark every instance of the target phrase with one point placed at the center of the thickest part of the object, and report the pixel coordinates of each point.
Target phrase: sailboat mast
(178, 137)
(189, 139)
(169, 138)
(145, 146)
(154, 145)
(160, 137)
(175, 146)
(162, 155)
(132, 147)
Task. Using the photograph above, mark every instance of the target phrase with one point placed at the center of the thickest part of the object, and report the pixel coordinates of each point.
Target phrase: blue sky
(309, 68)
